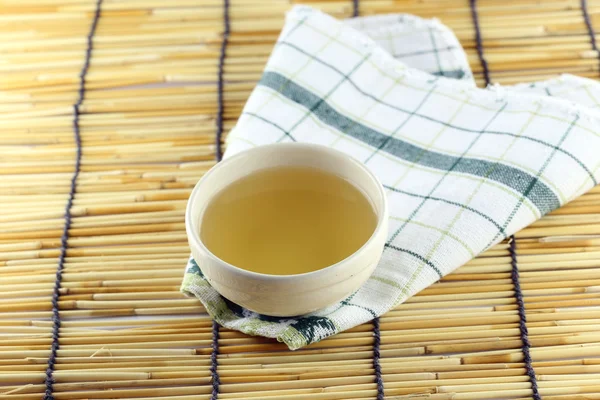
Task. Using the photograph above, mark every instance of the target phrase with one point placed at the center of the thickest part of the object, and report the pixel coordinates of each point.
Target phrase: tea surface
(287, 220)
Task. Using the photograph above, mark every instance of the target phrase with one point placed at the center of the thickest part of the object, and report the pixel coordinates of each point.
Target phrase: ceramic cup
(287, 295)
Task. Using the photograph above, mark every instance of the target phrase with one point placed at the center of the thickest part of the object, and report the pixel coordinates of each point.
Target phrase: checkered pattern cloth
(464, 168)
(424, 44)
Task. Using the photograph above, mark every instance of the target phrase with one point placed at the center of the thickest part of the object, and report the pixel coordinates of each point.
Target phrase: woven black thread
(355, 8)
(376, 358)
(214, 362)
(522, 319)
(56, 322)
(479, 42)
(590, 28)
(220, 82)
(214, 356)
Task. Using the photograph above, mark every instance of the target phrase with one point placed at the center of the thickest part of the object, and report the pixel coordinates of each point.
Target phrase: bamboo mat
(120, 151)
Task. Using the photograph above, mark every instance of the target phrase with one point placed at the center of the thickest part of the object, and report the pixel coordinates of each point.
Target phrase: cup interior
(280, 155)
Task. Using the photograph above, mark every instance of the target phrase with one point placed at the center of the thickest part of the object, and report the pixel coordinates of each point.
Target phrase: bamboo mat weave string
(524, 334)
(214, 361)
(64, 240)
(214, 356)
(479, 42)
(522, 319)
(377, 359)
(590, 28)
(220, 80)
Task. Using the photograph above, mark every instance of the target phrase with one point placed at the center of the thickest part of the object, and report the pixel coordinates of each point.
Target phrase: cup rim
(193, 234)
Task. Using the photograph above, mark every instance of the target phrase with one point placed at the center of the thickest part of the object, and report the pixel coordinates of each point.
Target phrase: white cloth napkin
(464, 168)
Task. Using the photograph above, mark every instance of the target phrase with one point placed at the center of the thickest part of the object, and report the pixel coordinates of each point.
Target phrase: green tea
(287, 220)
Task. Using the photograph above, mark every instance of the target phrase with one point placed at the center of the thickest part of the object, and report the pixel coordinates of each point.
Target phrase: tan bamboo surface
(128, 333)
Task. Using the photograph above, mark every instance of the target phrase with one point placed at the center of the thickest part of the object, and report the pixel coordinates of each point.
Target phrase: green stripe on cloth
(426, 117)
(534, 190)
